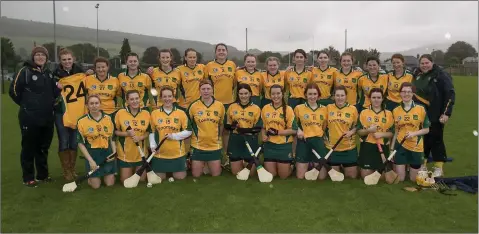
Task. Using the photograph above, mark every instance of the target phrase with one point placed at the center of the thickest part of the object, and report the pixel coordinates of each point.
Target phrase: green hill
(24, 32)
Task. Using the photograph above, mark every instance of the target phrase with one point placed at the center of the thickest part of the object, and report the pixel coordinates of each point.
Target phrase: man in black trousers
(34, 90)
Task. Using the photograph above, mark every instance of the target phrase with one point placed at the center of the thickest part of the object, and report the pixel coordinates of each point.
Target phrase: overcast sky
(273, 25)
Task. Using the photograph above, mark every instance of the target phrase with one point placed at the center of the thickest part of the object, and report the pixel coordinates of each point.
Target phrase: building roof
(470, 60)
(410, 60)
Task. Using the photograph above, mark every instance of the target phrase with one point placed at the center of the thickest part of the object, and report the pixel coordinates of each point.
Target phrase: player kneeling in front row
(95, 141)
(311, 118)
(278, 133)
(412, 123)
(132, 125)
(206, 115)
(375, 125)
(171, 122)
(342, 120)
(246, 115)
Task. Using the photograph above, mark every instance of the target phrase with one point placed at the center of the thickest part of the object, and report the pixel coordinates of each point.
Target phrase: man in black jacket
(34, 90)
(436, 92)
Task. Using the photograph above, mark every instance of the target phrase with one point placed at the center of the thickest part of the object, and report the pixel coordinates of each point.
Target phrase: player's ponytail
(284, 113)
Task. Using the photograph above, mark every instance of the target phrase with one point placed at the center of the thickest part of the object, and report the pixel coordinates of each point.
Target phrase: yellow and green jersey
(350, 81)
(107, 90)
(163, 123)
(394, 84)
(190, 83)
(126, 148)
(206, 122)
(410, 121)
(341, 120)
(365, 85)
(140, 82)
(248, 116)
(383, 120)
(311, 121)
(325, 80)
(297, 82)
(269, 80)
(95, 134)
(73, 99)
(252, 79)
(274, 118)
(223, 78)
(161, 78)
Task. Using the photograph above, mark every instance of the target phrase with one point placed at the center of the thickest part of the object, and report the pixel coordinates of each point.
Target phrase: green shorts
(237, 149)
(265, 102)
(304, 152)
(256, 100)
(404, 156)
(326, 101)
(99, 155)
(369, 156)
(163, 165)
(390, 105)
(293, 102)
(344, 157)
(206, 155)
(123, 164)
(278, 152)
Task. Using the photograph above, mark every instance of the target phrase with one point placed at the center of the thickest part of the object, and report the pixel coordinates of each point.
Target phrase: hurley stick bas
(133, 180)
(70, 187)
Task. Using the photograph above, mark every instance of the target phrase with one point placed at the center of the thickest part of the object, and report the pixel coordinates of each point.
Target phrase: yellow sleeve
(189, 114)
(257, 118)
(112, 127)
(80, 133)
(291, 118)
(296, 115)
(356, 117)
(205, 72)
(335, 75)
(152, 123)
(185, 123)
(228, 115)
(117, 121)
(222, 113)
(118, 90)
(148, 83)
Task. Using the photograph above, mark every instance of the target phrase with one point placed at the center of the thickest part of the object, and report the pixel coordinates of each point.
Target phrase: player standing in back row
(395, 79)
(104, 85)
(324, 76)
(165, 75)
(134, 79)
(348, 77)
(70, 107)
(221, 72)
(251, 76)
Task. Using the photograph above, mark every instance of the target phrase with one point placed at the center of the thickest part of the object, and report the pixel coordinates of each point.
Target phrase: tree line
(86, 53)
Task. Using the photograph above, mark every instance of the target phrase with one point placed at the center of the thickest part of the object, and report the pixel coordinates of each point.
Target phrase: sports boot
(73, 159)
(65, 163)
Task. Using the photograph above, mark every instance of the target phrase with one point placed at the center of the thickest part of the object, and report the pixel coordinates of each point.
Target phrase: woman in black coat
(436, 92)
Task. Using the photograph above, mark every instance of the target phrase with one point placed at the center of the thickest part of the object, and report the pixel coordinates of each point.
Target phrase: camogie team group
(199, 113)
